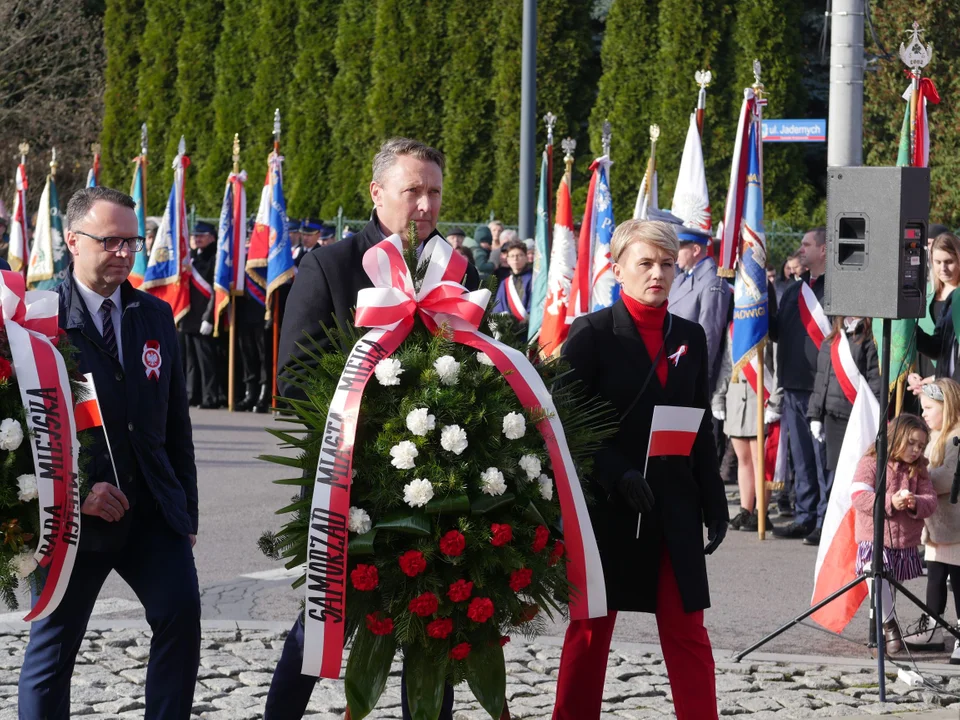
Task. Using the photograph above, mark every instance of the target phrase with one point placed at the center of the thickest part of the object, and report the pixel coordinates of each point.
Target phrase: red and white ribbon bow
(30, 320)
(389, 309)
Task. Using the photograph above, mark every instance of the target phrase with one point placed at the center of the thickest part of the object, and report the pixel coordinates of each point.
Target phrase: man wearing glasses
(140, 513)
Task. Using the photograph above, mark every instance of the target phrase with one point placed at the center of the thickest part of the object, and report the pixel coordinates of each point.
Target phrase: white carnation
(417, 493)
(11, 435)
(24, 564)
(448, 369)
(493, 482)
(359, 521)
(403, 454)
(484, 359)
(420, 422)
(28, 487)
(514, 426)
(388, 371)
(530, 465)
(546, 487)
(453, 438)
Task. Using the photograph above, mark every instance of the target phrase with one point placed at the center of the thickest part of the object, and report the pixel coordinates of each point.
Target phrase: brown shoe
(892, 637)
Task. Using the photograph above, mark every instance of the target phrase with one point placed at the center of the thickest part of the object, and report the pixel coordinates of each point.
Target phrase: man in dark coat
(140, 514)
(407, 186)
(196, 327)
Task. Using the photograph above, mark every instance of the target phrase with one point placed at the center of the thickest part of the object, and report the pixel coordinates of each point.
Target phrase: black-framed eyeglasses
(112, 243)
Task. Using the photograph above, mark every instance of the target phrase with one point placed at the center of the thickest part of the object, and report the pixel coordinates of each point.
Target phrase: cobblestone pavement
(236, 666)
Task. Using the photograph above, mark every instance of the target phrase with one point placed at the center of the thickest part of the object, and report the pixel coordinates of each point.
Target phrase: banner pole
(761, 503)
(231, 354)
(276, 346)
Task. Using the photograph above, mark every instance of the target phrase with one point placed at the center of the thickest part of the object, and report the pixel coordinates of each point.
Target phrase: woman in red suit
(636, 355)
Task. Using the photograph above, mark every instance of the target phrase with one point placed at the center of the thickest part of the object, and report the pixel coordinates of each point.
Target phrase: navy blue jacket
(148, 420)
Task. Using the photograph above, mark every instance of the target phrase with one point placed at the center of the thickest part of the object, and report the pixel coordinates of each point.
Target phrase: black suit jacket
(325, 288)
(607, 354)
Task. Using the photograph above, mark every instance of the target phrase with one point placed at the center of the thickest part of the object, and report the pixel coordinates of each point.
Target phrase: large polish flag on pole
(563, 260)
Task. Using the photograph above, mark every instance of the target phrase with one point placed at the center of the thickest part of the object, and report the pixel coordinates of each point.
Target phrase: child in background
(941, 535)
(909, 499)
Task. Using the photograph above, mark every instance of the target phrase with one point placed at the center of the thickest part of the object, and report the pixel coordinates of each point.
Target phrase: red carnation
(528, 613)
(557, 553)
(504, 640)
(453, 543)
(460, 652)
(519, 579)
(440, 629)
(5, 370)
(480, 610)
(424, 605)
(412, 563)
(540, 539)
(460, 591)
(502, 534)
(365, 577)
(378, 626)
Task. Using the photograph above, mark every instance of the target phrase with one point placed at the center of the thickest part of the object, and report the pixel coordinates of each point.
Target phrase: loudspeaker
(877, 241)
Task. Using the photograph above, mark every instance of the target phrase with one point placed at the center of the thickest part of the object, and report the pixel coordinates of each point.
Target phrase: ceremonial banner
(169, 269)
(538, 286)
(228, 274)
(604, 289)
(691, 199)
(733, 217)
(750, 319)
(138, 193)
(563, 259)
(270, 261)
(30, 320)
(50, 257)
(389, 309)
(581, 291)
(18, 250)
(647, 199)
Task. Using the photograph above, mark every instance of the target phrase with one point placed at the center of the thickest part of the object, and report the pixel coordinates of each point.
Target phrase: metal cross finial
(605, 138)
(182, 147)
(914, 55)
(703, 78)
(276, 125)
(550, 119)
(756, 71)
(568, 145)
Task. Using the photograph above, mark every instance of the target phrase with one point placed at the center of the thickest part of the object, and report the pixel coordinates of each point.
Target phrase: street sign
(794, 130)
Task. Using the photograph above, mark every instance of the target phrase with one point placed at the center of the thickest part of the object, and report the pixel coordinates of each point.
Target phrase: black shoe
(248, 402)
(753, 523)
(793, 531)
(263, 402)
(783, 508)
(737, 521)
(813, 538)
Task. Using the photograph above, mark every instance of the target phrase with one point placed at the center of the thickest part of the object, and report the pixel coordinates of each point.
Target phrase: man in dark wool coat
(407, 187)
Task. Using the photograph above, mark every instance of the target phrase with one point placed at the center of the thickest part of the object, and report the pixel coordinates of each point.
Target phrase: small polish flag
(87, 413)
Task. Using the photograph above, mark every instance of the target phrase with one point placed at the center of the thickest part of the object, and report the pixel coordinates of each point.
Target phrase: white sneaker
(925, 635)
(955, 657)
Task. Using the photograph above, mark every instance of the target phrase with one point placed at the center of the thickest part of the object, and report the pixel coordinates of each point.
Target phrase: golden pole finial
(236, 152)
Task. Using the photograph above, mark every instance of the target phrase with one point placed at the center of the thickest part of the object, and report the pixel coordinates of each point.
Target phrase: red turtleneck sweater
(649, 322)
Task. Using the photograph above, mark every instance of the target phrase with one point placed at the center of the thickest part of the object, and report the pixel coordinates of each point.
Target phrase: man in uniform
(700, 296)
(407, 186)
(140, 513)
(196, 328)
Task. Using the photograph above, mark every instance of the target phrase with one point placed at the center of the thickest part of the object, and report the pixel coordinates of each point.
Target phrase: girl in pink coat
(909, 499)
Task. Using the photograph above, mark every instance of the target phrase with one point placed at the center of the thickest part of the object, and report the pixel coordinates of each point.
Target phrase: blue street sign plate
(794, 130)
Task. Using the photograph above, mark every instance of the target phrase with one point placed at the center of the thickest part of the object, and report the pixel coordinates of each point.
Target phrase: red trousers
(686, 653)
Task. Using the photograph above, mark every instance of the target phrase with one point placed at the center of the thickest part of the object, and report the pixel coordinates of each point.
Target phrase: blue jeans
(809, 460)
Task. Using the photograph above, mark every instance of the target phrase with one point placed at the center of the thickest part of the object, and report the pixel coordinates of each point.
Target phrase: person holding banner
(196, 328)
(636, 356)
(407, 187)
(515, 292)
(140, 515)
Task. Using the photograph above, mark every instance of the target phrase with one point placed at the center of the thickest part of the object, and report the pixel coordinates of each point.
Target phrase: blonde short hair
(653, 232)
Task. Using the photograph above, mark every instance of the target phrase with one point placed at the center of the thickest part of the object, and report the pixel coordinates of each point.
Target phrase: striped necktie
(109, 336)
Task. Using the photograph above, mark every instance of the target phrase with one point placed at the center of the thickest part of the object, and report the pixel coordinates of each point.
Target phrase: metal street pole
(845, 124)
(528, 121)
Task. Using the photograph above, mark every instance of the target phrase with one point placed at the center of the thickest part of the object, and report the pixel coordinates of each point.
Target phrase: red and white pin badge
(677, 355)
(152, 359)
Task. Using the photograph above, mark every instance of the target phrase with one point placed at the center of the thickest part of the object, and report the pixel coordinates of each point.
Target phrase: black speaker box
(877, 241)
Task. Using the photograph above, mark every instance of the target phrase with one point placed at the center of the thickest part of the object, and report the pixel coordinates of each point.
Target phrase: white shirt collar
(94, 300)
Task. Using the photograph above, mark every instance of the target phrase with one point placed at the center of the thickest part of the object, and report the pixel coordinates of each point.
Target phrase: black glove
(635, 490)
(716, 532)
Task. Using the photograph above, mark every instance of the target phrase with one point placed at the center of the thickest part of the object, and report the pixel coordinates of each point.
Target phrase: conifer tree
(308, 139)
(234, 75)
(194, 91)
(468, 110)
(351, 134)
(156, 93)
(274, 53)
(120, 137)
(506, 99)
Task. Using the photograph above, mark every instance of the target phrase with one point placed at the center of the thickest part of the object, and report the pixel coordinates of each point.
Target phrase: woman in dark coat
(635, 355)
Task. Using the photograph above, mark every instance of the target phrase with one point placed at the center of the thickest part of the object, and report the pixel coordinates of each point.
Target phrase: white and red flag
(673, 431)
(837, 556)
(87, 412)
(563, 260)
(581, 290)
(18, 254)
(736, 193)
(691, 199)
